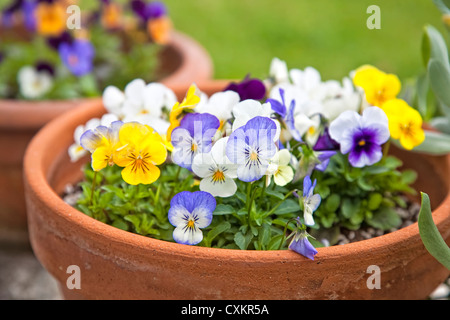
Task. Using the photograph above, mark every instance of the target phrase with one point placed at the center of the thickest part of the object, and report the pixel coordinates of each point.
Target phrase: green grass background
(242, 36)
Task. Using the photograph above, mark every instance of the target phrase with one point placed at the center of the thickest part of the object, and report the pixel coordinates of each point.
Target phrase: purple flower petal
(77, 56)
(301, 245)
(248, 89)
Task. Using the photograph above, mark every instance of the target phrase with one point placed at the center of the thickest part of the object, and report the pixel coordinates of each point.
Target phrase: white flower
(141, 102)
(249, 109)
(217, 171)
(340, 98)
(34, 84)
(220, 104)
(76, 151)
(279, 168)
(278, 71)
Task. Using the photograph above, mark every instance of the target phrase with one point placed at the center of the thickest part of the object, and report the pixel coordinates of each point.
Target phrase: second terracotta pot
(182, 61)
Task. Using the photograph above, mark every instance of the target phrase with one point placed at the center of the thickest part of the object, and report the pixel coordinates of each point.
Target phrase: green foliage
(113, 65)
(355, 197)
(430, 235)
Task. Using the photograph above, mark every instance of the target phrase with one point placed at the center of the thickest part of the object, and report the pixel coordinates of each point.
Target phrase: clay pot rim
(37, 182)
(190, 52)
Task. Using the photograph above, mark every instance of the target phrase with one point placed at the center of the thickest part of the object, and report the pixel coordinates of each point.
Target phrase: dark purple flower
(45, 66)
(146, 11)
(325, 142)
(361, 136)
(55, 42)
(248, 89)
(77, 56)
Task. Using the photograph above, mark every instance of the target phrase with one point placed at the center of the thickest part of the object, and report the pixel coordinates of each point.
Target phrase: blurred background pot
(182, 61)
(115, 264)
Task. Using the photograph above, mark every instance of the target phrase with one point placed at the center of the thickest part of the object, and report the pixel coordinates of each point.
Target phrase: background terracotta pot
(182, 61)
(115, 264)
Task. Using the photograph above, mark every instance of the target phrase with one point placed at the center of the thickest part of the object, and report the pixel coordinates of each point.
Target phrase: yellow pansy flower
(50, 19)
(378, 86)
(176, 114)
(141, 150)
(405, 123)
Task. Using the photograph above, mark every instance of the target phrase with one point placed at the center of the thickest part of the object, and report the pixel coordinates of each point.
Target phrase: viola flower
(251, 147)
(193, 136)
(279, 72)
(34, 84)
(159, 29)
(50, 18)
(310, 200)
(405, 123)
(188, 213)
(77, 56)
(111, 15)
(279, 168)
(151, 10)
(220, 104)
(141, 102)
(180, 109)
(217, 171)
(28, 9)
(248, 89)
(76, 151)
(361, 136)
(141, 150)
(102, 142)
(301, 244)
(378, 86)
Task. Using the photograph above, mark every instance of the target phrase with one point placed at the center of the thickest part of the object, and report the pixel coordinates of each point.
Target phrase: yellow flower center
(140, 162)
(218, 176)
(194, 147)
(362, 142)
(191, 224)
(253, 156)
(311, 130)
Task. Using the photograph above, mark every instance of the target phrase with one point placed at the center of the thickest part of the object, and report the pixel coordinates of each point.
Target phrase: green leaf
(288, 206)
(434, 47)
(430, 235)
(275, 194)
(439, 75)
(441, 124)
(375, 200)
(214, 232)
(443, 6)
(332, 202)
(243, 241)
(385, 219)
(223, 209)
(350, 207)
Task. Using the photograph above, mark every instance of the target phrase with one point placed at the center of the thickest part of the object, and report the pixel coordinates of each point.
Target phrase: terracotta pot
(183, 61)
(115, 264)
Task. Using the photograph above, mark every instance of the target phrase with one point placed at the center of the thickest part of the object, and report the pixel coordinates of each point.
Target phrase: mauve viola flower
(361, 136)
(55, 42)
(77, 56)
(146, 11)
(301, 245)
(248, 89)
(28, 9)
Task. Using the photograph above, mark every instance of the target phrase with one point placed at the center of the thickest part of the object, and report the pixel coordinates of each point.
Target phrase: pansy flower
(249, 88)
(300, 242)
(188, 213)
(252, 147)
(378, 86)
(141, 150)
(311, 201)
(405, 123)
(280, 169)
(216, 170)
(103, 143)
(33, 83)
(77, 56)
(361, 136)
(50, 18)
(193, 136)
(180, 109)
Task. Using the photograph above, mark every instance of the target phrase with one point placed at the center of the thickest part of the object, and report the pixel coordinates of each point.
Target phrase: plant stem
(279, 203)
(284, 233)
(251, 205)
(93, 187)
(386, 148)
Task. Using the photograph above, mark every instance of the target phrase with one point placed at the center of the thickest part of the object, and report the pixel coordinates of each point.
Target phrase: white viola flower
(340, 98)
(141, 102)
(33, 84)
(310, 200)
(76, 151)
(309, 80)
(279, 72)
(216, 170)
(220, 104)
(279, 168)
(249, 109)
